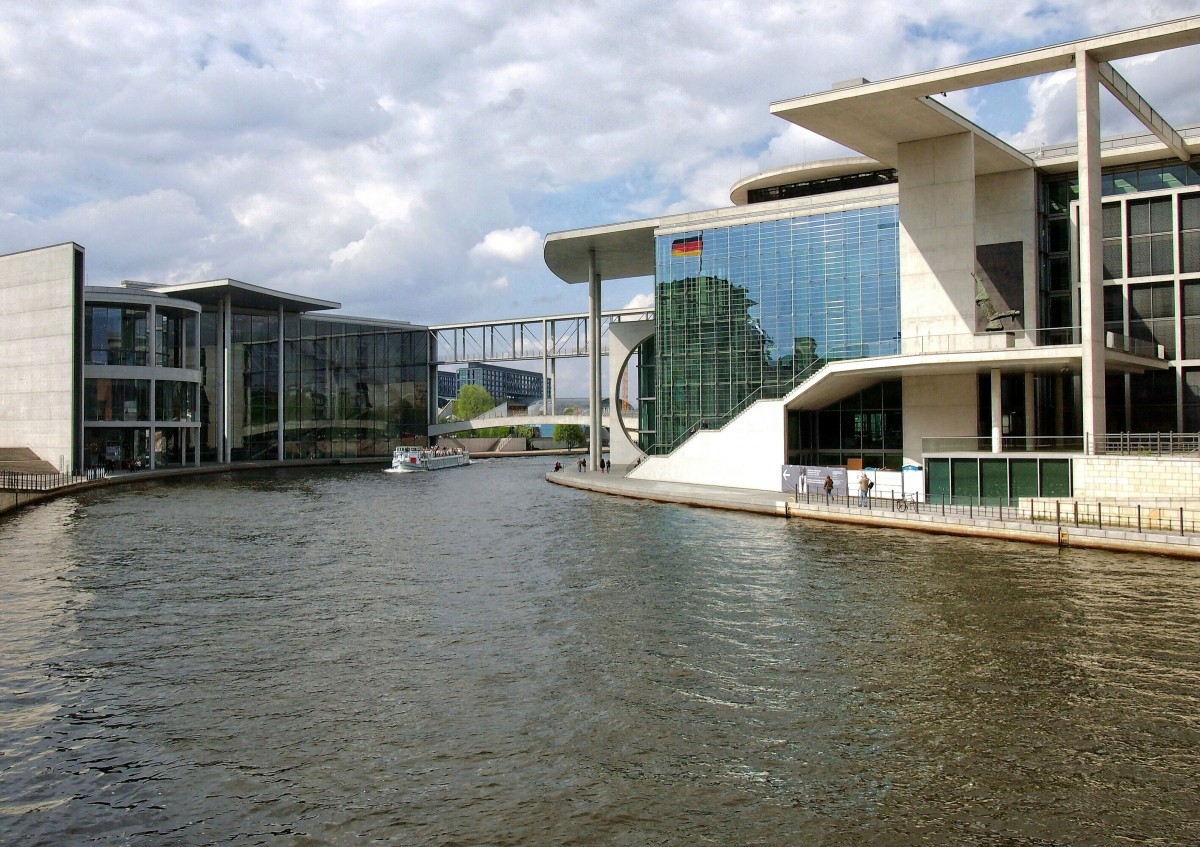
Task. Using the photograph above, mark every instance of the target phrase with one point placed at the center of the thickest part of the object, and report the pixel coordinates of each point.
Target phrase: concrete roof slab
(874, 117)
(244, 296)
(622, 250)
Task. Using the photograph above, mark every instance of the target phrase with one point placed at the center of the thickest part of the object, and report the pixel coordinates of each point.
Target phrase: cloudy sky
(406, 158)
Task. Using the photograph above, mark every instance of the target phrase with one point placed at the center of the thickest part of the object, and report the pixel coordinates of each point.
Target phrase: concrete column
(1091, 258)
(226, 452)
(594, 436)
(152, 361)
(545, 367)
(279, 392)
(196, 391)
(1060, 399)
(1030, 408)
(997, 430)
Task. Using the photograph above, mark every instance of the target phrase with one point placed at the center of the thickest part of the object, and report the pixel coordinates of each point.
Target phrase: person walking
(828, 488)
(864, 489)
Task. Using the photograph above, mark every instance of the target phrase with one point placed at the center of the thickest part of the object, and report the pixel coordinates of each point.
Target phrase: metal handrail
(763, 392)
(23, 481)
(933, 445)
(1145, 444)
(919, 345)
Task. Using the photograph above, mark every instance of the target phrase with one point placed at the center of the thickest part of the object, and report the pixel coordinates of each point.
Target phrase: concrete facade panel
(747, 453)
(39, 351)
(937, 236)
(938, 406)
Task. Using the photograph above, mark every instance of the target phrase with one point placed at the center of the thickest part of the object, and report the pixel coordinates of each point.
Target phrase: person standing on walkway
(828, 488)
(864, 488)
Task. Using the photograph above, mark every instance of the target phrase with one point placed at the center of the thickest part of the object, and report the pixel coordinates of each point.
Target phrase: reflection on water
(477, 657)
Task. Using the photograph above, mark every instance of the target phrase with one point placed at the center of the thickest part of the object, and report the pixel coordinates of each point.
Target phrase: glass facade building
(350, 388)
(141, 379)
(746, 312)
(1151, 248)
(158, 390)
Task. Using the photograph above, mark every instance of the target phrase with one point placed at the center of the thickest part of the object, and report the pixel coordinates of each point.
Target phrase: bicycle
(902, 505)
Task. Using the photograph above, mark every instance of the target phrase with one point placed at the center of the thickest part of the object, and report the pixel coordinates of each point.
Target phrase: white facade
(41, 310)
(971, 247)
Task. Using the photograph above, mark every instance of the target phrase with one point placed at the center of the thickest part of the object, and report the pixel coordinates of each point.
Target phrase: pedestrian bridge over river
(502, 417)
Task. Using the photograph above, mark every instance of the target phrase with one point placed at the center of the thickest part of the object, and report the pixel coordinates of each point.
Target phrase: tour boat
(413, 459)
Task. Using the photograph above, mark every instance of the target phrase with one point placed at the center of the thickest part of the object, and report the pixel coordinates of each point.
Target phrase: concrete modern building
(142, 375)
(943, 299)
(506, 385)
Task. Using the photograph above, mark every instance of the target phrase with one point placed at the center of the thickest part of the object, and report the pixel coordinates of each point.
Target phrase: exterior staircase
(23, 460)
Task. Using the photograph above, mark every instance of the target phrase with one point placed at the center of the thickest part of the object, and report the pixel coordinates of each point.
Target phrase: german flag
(687, 246)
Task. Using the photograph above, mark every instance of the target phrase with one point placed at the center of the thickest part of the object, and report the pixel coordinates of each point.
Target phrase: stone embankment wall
(1157, 480)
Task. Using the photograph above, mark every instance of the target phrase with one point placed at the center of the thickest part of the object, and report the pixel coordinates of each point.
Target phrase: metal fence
(1136, 517)
(1146, 444)
(17, 481)
(1008, 444)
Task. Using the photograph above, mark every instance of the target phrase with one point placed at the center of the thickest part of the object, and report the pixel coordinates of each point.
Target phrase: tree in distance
(569, 434)
(472, 401)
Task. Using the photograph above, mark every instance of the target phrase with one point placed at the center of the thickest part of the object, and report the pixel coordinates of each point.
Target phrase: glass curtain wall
(117, 335)
(1151, 244)
(867, 426)
(747, 312)
(349, 389)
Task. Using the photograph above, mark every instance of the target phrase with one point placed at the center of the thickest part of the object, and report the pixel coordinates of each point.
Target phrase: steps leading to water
(23, 460)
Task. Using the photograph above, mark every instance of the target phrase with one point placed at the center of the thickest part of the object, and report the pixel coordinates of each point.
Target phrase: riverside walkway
(1012, 526)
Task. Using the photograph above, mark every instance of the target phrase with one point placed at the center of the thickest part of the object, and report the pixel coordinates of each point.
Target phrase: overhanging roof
(874, 118)
(243, 295)
(622, 250)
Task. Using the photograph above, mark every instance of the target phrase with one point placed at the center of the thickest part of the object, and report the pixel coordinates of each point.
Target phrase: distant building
(506, 385)
(447, 386)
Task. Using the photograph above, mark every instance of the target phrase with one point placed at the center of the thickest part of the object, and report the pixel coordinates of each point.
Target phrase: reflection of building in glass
(782, 293)
(712, 352)
(351, 387)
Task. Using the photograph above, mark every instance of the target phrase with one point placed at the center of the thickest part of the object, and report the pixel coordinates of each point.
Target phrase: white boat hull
(420, 460)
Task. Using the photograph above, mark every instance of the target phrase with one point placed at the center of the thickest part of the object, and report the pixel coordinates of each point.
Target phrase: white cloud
(356, 151)
(640, 301)
(508, 245)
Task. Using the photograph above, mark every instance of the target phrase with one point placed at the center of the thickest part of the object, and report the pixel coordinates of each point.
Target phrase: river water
(340, 656)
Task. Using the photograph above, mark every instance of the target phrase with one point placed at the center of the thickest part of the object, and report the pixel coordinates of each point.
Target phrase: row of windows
(129, 400)
(120, 335)
(1147, 311)
(1139, 236)
(1157, 176)
(821, 186)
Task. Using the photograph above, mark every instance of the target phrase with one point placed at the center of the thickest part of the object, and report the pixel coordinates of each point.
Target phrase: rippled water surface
(477, 657)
